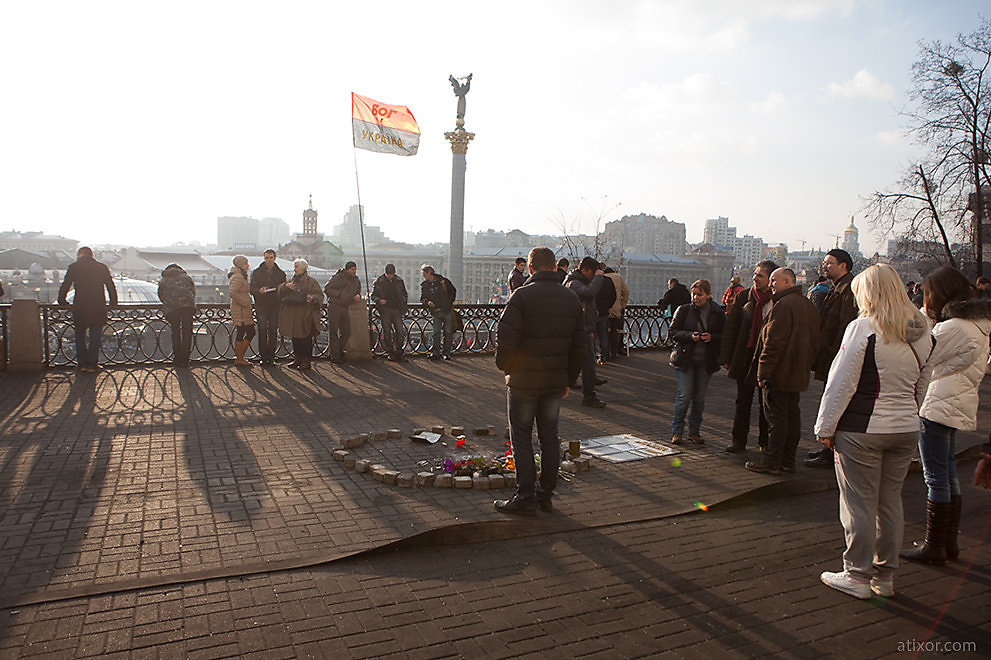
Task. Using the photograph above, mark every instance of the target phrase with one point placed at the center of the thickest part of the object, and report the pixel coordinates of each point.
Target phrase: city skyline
(142, 127)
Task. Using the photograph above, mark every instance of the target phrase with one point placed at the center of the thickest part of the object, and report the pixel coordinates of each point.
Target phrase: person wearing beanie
(390, 298)
(343, 290)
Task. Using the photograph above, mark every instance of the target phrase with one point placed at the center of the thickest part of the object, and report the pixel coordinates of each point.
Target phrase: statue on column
(461, 87)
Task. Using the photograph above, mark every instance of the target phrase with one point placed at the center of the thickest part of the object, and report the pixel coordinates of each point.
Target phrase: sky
(142, 123)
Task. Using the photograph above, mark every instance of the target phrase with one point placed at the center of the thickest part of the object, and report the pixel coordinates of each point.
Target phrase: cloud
(774, 102)
(893, 138)
(865, 85)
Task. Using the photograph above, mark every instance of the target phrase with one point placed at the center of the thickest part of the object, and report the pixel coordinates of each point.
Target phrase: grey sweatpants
(870, 470)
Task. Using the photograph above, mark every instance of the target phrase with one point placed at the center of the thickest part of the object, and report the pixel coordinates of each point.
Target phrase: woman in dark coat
(299, 314)
(697, 329)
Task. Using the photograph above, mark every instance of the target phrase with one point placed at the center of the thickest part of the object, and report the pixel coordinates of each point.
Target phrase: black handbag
(294, 297)
(681, 354)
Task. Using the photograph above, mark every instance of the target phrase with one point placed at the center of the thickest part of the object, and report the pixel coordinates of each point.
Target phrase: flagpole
(361, 228)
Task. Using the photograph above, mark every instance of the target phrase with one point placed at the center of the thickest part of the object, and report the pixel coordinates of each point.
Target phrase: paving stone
(445, 480)
(406, 479)
(394, 434)
(437, 429)
(380, 435)
(148, 475)
(378, 471)
(583, 463)
(479, 483)
(510, 479)
(390, 477)
(462, 482)
(568, 466)
(362, 465)
(354, 442)
(497, 481)
(424, 478)
(341, 454)
(350, 460)
(457, 430)
(481, 430)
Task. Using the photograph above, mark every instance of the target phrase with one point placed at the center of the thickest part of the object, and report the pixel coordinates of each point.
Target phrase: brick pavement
(153, 513)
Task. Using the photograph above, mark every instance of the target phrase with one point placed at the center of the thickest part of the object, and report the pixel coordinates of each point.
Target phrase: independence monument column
(459, 139)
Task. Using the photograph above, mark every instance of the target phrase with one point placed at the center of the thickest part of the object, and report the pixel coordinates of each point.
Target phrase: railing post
(358, 347)
(24, 336)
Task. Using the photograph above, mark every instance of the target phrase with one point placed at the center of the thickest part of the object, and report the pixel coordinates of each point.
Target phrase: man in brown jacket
(785, 352)
(838, 310)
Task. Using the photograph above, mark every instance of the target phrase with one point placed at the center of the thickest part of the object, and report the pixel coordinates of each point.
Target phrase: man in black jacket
(586, 281)
(541, 348)
(89, 307)
(517, 276)
(177, 292)
(736, 353)
(438, 294)
(603, 302)
(264, 286)
(839, 308)
(390, 298)
(676, 296)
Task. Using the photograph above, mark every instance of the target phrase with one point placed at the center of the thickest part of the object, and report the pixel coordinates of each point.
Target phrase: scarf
(760, 299)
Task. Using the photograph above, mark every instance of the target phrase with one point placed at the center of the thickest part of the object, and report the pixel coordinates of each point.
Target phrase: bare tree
(581, 245)
(941, 196)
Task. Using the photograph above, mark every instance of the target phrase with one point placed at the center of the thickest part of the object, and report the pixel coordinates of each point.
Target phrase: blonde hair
(882, 298)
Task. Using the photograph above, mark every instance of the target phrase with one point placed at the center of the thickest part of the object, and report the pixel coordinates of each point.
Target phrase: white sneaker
(848, 584)
(883, 586)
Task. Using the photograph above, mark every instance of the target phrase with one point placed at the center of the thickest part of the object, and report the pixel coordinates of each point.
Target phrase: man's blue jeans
(525, 406)
(588, 367)
(602, 334)
(937, 448)
(88, 353)
(692, 386)
(443, 325)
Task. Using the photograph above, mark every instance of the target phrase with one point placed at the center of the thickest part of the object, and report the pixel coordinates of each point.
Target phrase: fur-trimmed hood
(975, 309)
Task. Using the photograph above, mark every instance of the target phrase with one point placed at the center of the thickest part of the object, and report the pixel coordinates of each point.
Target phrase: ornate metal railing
(139, 333)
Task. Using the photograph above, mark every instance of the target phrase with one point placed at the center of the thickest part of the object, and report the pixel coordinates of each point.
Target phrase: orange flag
(388, 129)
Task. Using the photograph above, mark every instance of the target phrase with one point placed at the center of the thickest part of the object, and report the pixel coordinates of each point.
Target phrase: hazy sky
(141, 123)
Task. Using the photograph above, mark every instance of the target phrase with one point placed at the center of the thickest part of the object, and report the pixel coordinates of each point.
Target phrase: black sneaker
(788, 467)
(594, 402)
(434, 358)
(545, 505)
(601, 381)
(516, 506)
(735, 449)
(823, 461)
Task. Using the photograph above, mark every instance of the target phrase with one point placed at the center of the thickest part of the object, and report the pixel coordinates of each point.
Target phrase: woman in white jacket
(950, 405)
(869, 415)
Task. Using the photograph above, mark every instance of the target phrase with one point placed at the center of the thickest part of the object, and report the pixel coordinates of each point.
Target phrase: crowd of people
(897, 380)
(901, 366)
